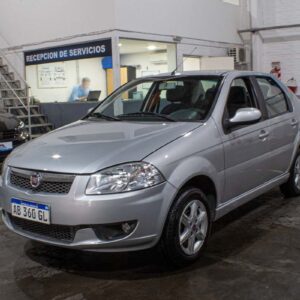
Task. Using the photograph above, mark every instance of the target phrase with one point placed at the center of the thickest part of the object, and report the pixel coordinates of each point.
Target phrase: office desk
(63, 113)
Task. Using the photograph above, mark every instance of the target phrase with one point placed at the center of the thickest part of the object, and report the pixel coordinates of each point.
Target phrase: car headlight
(21, 125)
(124, 178)
(22, 132)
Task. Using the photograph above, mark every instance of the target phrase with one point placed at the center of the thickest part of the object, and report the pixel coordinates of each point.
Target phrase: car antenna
(180, 65)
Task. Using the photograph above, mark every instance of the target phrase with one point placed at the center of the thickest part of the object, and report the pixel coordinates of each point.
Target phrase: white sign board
(52, 75)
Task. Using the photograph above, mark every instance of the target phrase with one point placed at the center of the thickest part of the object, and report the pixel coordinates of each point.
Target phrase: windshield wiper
(148, 114)
(102, 116)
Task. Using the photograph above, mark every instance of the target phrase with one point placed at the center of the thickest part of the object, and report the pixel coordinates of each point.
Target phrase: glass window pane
(240, 96)
(274, 97)
(188, 98)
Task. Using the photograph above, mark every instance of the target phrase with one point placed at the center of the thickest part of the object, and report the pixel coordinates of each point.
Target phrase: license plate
(6, 146)
(30, 211)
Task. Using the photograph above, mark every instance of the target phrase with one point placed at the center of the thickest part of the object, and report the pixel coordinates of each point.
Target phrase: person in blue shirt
(80, 92)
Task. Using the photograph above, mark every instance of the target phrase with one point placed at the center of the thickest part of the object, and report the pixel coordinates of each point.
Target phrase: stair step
(12, 98)
(21, 110)
(4, 68)
(40, 125)
(32, 116)
(7, 89)
(6, 72)
(34, 119)
(9, 76)
(21, 106)
(9, 81)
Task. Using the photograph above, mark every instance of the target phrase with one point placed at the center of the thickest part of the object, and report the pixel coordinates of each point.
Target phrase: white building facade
(146, 36)
(276, 37)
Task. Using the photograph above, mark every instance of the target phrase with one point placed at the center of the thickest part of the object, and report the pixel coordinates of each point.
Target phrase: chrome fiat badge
(35, 180)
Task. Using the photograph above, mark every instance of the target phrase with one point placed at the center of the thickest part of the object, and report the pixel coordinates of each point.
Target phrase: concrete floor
(254, 253)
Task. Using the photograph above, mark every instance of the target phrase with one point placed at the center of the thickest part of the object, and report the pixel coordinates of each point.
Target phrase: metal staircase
(15, 98)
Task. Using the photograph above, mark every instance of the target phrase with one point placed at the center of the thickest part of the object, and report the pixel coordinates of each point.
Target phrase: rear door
(283, 124)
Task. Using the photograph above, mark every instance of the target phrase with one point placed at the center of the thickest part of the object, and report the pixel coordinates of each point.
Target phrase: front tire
(292, 187)
(187, 228)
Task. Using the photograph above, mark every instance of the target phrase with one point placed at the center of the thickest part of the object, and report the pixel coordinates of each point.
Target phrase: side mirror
(244, 116)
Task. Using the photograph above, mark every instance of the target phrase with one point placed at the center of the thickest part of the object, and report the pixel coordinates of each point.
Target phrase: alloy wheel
(193, 226)
(297, 173)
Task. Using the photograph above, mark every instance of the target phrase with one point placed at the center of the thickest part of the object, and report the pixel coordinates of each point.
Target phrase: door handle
(294, 122)
(263, 135)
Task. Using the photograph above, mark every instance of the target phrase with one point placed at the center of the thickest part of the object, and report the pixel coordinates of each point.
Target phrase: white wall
(211, 20)
(32, 24)
(275, 12)
(52, 94)
(30, 21)
(199, 50)
(217, 63)
(208, 63)
(145, 62)
(277, 45)
(191, 63)
(288, 54)
(75, 71)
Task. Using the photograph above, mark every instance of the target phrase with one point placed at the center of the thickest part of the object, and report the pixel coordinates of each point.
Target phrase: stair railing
(26, 87)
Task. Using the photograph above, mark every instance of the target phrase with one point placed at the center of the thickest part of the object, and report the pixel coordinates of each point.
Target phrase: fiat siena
(155, 164)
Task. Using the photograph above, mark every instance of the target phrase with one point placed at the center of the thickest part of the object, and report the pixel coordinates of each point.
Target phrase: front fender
(196, 166)
(197, 153)
(183, 172)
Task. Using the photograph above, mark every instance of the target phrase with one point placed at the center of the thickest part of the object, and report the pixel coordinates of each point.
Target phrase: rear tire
(292, 187)
(187, 228)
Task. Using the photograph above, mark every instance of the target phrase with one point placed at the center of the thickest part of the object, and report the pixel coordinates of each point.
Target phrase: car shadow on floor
(228, 237)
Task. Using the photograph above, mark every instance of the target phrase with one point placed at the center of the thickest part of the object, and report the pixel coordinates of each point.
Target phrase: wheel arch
(197, 172)
(206, 185)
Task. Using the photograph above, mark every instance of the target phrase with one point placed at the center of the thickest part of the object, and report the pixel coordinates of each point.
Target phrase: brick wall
(278, 12)
(288, 53)
(278, 45)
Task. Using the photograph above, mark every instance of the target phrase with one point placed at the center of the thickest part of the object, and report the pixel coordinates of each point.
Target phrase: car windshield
(176, 99)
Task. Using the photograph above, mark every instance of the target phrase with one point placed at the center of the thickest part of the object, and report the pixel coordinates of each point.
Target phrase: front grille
(58, 232)
(8, 135)
(50, 183)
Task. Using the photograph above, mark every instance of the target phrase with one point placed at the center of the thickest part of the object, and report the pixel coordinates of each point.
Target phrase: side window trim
(249, 84)
(260, 99)
(287, 101)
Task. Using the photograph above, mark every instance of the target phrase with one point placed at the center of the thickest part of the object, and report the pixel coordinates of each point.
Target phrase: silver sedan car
(155, 164)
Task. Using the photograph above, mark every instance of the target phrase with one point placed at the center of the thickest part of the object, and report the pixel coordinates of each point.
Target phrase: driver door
(246, 147)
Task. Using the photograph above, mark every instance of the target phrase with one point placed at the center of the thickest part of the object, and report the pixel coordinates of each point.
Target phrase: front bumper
(149, 207)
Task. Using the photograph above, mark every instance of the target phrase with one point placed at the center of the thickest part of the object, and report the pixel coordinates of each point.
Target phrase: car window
(240, 96)
(179, 99)
(274, 97)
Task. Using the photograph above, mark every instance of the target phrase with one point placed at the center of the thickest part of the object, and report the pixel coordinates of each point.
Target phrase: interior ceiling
(138, 46)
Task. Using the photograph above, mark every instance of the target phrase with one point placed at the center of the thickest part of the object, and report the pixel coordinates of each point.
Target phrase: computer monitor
(93, 96)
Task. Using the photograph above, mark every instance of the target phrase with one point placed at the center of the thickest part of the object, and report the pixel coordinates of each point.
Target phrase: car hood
(88, 146)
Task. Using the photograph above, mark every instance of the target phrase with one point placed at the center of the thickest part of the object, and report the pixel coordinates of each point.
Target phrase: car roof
(207, 73)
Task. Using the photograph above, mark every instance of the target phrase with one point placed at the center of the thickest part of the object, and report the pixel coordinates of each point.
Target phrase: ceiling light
(120, 44)
(151, 47)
